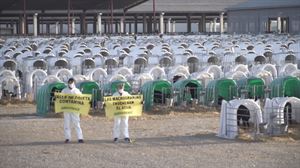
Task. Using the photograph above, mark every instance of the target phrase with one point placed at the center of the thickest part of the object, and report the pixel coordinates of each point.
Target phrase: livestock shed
(186, 90)
(92, 88)
(252, 87)
(264, 16)
(45, 97)
(285, 87)
(281, 112)
(229, 117)
(156, 92)
(9, 64)
(220, 89)
(10, 87)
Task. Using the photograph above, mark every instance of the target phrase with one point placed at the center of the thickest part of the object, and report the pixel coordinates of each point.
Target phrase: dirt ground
(174, 139)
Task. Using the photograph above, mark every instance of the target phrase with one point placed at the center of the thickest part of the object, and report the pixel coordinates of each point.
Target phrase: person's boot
(127, 140)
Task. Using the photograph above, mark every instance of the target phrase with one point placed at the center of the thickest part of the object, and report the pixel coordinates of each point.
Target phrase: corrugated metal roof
(63, 4)
(261, 4)
(180, 6)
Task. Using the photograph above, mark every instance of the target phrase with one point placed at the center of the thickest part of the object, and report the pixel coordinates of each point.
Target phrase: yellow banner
(123, 105)
(72, 103)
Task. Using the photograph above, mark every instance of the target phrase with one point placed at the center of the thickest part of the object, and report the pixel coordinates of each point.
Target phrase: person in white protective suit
(70, 116)
(121, 122)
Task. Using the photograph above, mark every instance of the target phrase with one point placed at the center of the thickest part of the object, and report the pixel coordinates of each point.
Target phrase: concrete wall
(256, 20)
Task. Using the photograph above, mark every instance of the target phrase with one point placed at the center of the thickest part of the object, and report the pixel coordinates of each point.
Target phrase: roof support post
(154, 19)
(189, 27)
(99, 24)
(22, 26)
(47, 28)
(161, 24)
(174, 26)
(14, 26)
(111, 16)
(83, 23)
(73, 25)
(56, 27)
(210, 26)
(149, 25)
(279, 24)
(122, 25)
(61, 27)
(203, 23)
(105, 26)
(136, 24)
(24, 21)
(169, 25)
(117, 27)
(130, 31)
(69, 26)
(35, 25)
(222, 22)
(144, 23)
(215, 25)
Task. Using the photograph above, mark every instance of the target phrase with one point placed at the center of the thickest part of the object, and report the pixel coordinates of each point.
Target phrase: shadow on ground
(168, 141)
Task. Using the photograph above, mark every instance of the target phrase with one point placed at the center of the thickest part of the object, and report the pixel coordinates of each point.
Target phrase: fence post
(93, 99)
(256, 124)
(225, 118)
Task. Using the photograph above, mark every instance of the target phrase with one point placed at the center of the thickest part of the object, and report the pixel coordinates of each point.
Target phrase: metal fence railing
(251, 92)
(160, 96)
(279, 119)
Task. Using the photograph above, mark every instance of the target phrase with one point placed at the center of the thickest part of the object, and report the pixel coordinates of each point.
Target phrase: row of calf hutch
(172, 70)
(273, 119)
(23, 86)
(260, 55)
(34, 62)
(189, 90)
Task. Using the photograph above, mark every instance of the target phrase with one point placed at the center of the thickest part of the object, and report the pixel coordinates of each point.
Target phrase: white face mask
(121, 90)
(71, 85)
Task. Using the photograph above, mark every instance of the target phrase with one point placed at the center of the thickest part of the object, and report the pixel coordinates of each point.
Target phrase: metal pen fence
(102, 93)
(187, 96)
(278, 119)
(252, 92)
(162, 96)
(215, 95)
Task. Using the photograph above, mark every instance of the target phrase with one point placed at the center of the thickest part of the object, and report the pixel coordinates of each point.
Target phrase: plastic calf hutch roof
(187, 89)
(150, 88)
(44, 96)
(285, 87)
(228, 118)
(92, 88)
(220, 89)
(254, 87)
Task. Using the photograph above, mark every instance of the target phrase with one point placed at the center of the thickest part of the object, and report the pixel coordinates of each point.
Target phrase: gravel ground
(179, 139)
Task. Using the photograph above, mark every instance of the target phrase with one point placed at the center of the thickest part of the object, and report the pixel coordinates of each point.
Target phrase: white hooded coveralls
(121, 122)
(72, 117)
